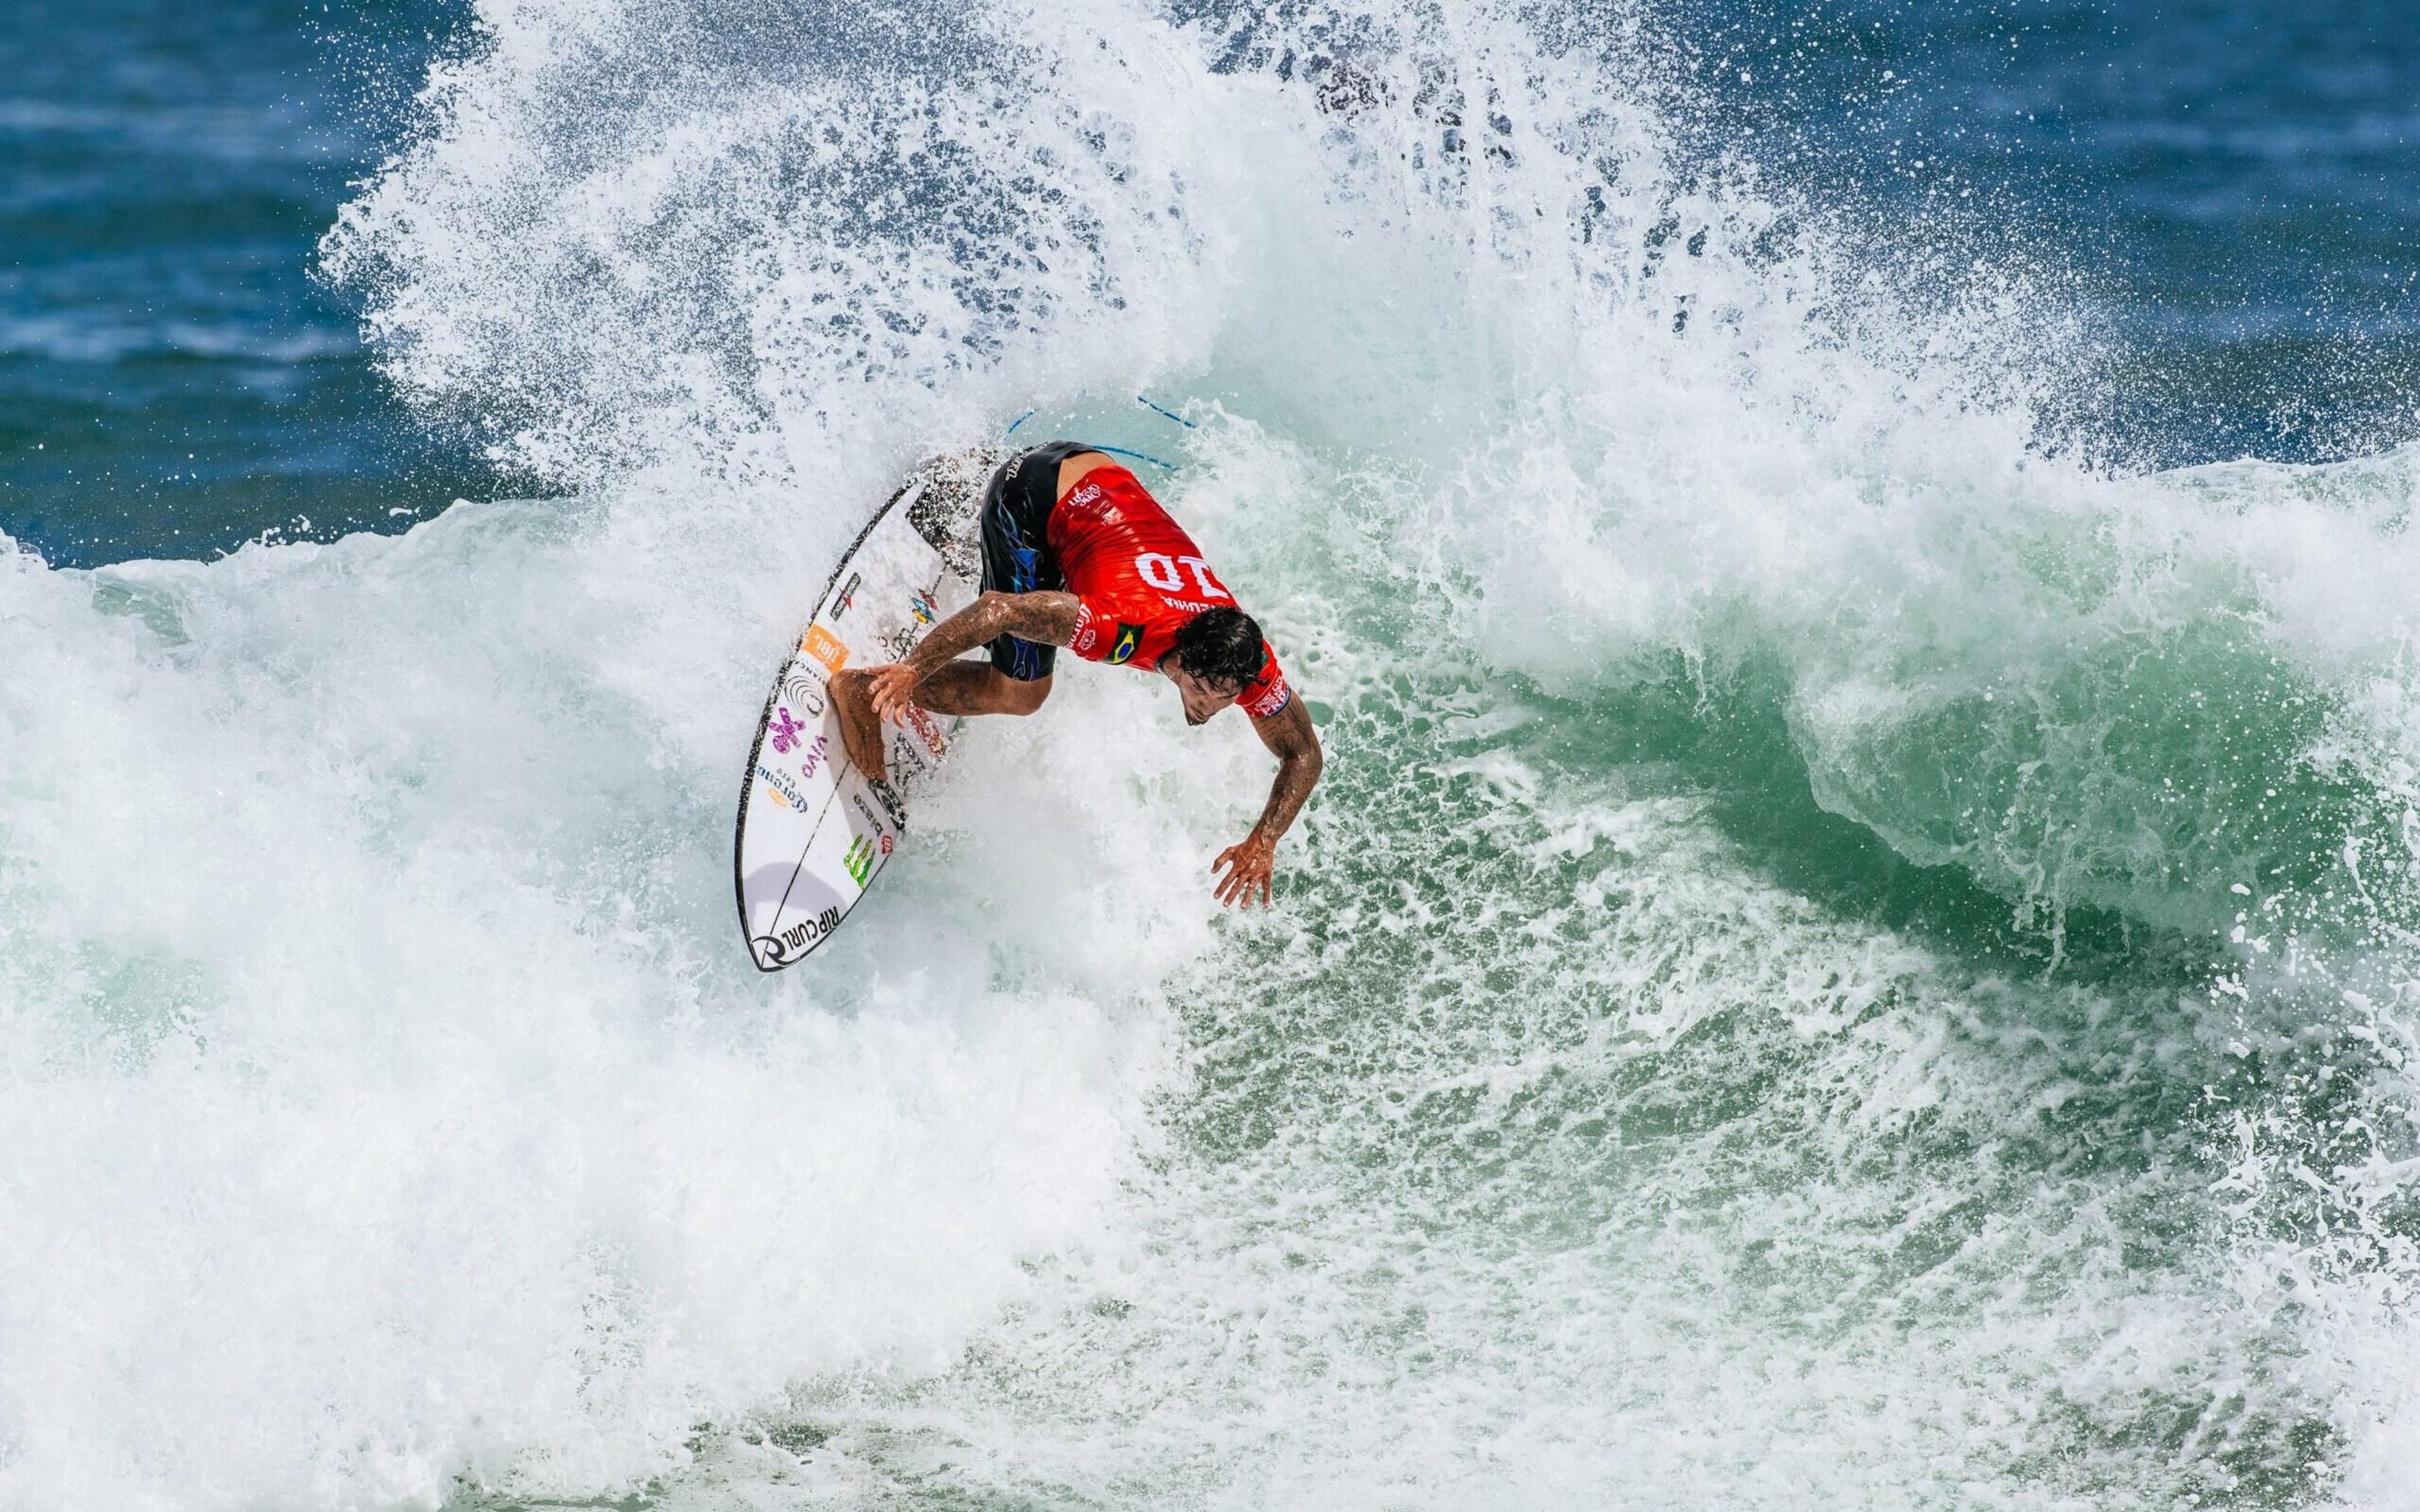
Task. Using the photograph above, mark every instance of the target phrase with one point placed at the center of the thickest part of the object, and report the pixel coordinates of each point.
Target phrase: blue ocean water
(2231, 188)
(173, 381)
(1859, 945)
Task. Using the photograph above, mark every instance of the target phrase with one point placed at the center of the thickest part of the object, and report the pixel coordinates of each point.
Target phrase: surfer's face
(1201, 700)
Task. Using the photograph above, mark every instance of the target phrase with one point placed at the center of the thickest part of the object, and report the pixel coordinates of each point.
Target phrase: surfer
(1076, 553)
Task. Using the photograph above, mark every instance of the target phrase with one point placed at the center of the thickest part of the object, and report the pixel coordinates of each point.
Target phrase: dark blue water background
(172, 380)
(2228, 190)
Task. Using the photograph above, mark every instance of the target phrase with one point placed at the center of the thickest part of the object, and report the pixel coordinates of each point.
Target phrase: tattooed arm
(1252, 861)
(1042, 618)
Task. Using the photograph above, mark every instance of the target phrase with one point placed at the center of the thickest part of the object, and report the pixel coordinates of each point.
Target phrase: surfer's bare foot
(861, 727)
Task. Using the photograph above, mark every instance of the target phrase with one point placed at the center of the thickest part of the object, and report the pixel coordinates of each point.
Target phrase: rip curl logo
(786, 732)
(1123, 649)
(780, 949)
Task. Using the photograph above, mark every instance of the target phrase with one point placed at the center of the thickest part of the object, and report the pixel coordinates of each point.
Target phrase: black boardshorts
(1017, 555)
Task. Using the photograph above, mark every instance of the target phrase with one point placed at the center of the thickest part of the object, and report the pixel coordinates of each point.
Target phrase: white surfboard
(814, 831)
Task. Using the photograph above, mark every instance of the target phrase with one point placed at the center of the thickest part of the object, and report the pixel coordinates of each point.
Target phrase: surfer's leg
(962, 687)
(974, 687)
(1017, 559)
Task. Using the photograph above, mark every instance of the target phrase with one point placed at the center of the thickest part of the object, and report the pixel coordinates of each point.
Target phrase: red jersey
(1138, 578)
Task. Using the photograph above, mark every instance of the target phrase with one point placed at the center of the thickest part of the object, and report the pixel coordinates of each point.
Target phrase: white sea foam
(387, 1096)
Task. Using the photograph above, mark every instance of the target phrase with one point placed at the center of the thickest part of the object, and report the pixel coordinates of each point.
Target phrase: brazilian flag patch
(1121, 650)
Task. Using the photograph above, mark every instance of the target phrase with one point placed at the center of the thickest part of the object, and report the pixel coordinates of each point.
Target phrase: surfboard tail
(945, 514)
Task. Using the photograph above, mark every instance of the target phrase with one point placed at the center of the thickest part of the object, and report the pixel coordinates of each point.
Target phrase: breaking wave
(1847, 954)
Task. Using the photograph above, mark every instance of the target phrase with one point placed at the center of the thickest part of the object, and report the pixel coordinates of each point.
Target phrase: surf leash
(1145, 402)
(1144, 455)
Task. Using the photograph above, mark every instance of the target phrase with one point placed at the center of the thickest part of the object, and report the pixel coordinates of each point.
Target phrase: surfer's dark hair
(1221, 645)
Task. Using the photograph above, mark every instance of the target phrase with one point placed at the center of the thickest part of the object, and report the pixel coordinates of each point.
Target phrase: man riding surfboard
(1076, 553)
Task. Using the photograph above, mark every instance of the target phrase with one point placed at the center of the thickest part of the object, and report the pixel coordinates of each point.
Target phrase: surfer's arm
(1251, 862)
(1043, 618)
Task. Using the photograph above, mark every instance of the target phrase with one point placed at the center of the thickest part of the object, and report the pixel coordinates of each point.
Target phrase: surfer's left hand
(1253, 859)
(892, 688)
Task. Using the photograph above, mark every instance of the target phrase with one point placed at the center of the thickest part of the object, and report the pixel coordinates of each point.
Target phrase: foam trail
(390, 1106)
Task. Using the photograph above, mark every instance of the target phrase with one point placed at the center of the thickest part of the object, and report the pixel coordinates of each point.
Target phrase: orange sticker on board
(825, 647)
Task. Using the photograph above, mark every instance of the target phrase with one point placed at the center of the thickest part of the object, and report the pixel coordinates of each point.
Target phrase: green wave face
(1612, 1107)
(1819, 1097)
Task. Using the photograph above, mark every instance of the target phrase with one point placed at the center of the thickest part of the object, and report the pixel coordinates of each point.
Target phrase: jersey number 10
(1160, 572)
